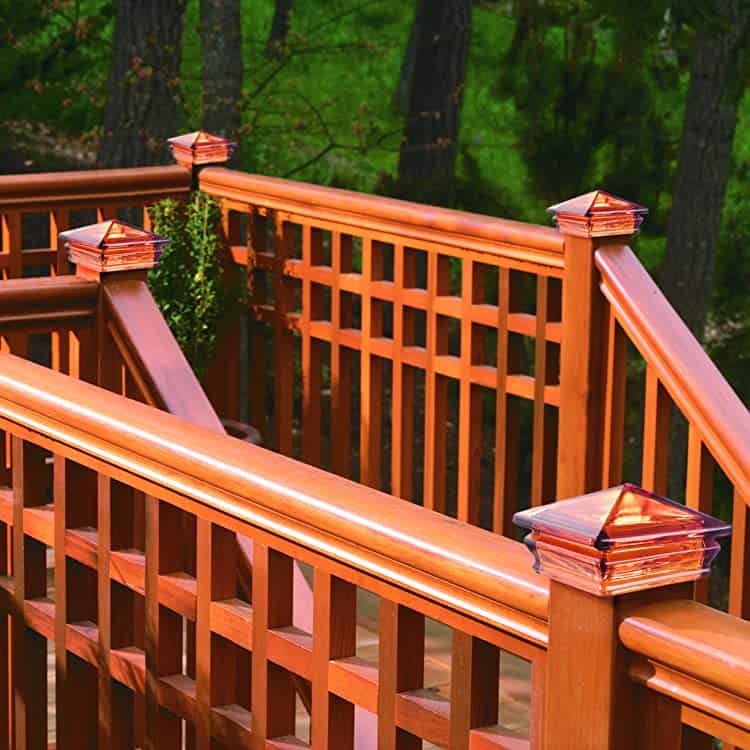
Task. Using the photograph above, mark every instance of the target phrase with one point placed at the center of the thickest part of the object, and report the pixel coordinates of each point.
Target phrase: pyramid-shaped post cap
(200, 147)
(598, 214)
(112, 246)
(620, 540)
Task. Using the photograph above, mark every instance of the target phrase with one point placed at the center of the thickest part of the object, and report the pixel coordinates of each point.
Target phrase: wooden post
(588, 547)
(588, 222)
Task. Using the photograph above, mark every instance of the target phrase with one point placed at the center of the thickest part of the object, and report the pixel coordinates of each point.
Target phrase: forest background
(486, 105)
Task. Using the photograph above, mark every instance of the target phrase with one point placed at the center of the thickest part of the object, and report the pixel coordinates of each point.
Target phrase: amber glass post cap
(598, 214)
(620, 540)
(200, 147)
(113, 246)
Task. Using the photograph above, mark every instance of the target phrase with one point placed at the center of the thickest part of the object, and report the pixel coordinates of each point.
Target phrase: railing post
(588, 222)
(605, 553)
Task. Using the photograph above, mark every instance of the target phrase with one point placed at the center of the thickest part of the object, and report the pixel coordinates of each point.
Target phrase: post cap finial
(112, 246)
(621, 540)
(598, 214)
(200, 147)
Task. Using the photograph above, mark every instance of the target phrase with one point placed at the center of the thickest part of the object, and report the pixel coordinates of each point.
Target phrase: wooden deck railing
(130, 632)
(387, 305)
(679, 375)
(471, 365)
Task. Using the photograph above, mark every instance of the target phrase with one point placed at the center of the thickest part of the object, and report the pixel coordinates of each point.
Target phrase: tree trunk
(221, 49)
(717, 82)
(282, 18)
(400, 101)
(426, 167)
(142, 109)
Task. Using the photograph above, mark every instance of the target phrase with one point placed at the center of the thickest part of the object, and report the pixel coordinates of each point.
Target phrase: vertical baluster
(401, 668)
(403, 381)
(475, 673)
(6, 553)
(507, 417)
(75, 601)
(656, 424)
(312, 309)
(542, 486)
(273, 698)
(115, 702)
(283, 349)
(11, 240)
(257, 243)
(334, 637)
(341, 358)
(59, 221)
(699, 489)
(371, 369)
(163, 627)
(30, 580)
(614, 402)
(739, 579)
(436, 389)
(470, 404)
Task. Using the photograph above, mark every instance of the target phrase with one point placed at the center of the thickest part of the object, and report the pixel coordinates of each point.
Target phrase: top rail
(526, 242)
(693, 381)
(467, 569)
(99, 186)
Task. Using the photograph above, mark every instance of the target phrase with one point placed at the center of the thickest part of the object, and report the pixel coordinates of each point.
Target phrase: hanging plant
(189, 284)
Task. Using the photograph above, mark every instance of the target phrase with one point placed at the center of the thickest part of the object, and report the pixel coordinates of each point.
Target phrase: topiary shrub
(189, 284)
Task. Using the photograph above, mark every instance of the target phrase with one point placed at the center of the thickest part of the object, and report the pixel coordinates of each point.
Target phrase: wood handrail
(693, 639)
(155, 355)
(24, 301)
(525, 242)
(692, 380)
(29, 191)
(470, 570)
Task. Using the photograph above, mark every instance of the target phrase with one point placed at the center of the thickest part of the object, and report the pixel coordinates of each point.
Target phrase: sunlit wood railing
(385, 306)
(678, 376)
(116, 618)
(40, 206)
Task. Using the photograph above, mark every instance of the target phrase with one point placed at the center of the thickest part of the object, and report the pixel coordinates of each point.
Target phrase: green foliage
(188, 283)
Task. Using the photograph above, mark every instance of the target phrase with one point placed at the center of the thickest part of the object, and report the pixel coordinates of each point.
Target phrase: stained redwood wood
(401, 668)
(475, 670)
(282, 342)
(334, 637)
(656, 424)
(614, 405)
(699, 489)
(739, 580)
(29, 649)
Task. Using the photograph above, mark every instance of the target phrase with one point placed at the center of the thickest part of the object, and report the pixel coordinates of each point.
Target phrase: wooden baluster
(257, 345)
(312, 354)
(739, 579)
(401, 668)
(699, 489)
(543, 458)
(115, 701)
(29, 649)
(341, 358)
(470, 403)
(75, 601)
(614, 402)
(371, 370)
(436, 389)
(11, 241)
(283, 349)
(6, 625)
(475, 673)
(404, 378)
(505, 496)
(82, 352)
(59, 221)
(273, 699)
(203, 636)
(656, 424)
(334, 637)
(163, 627)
